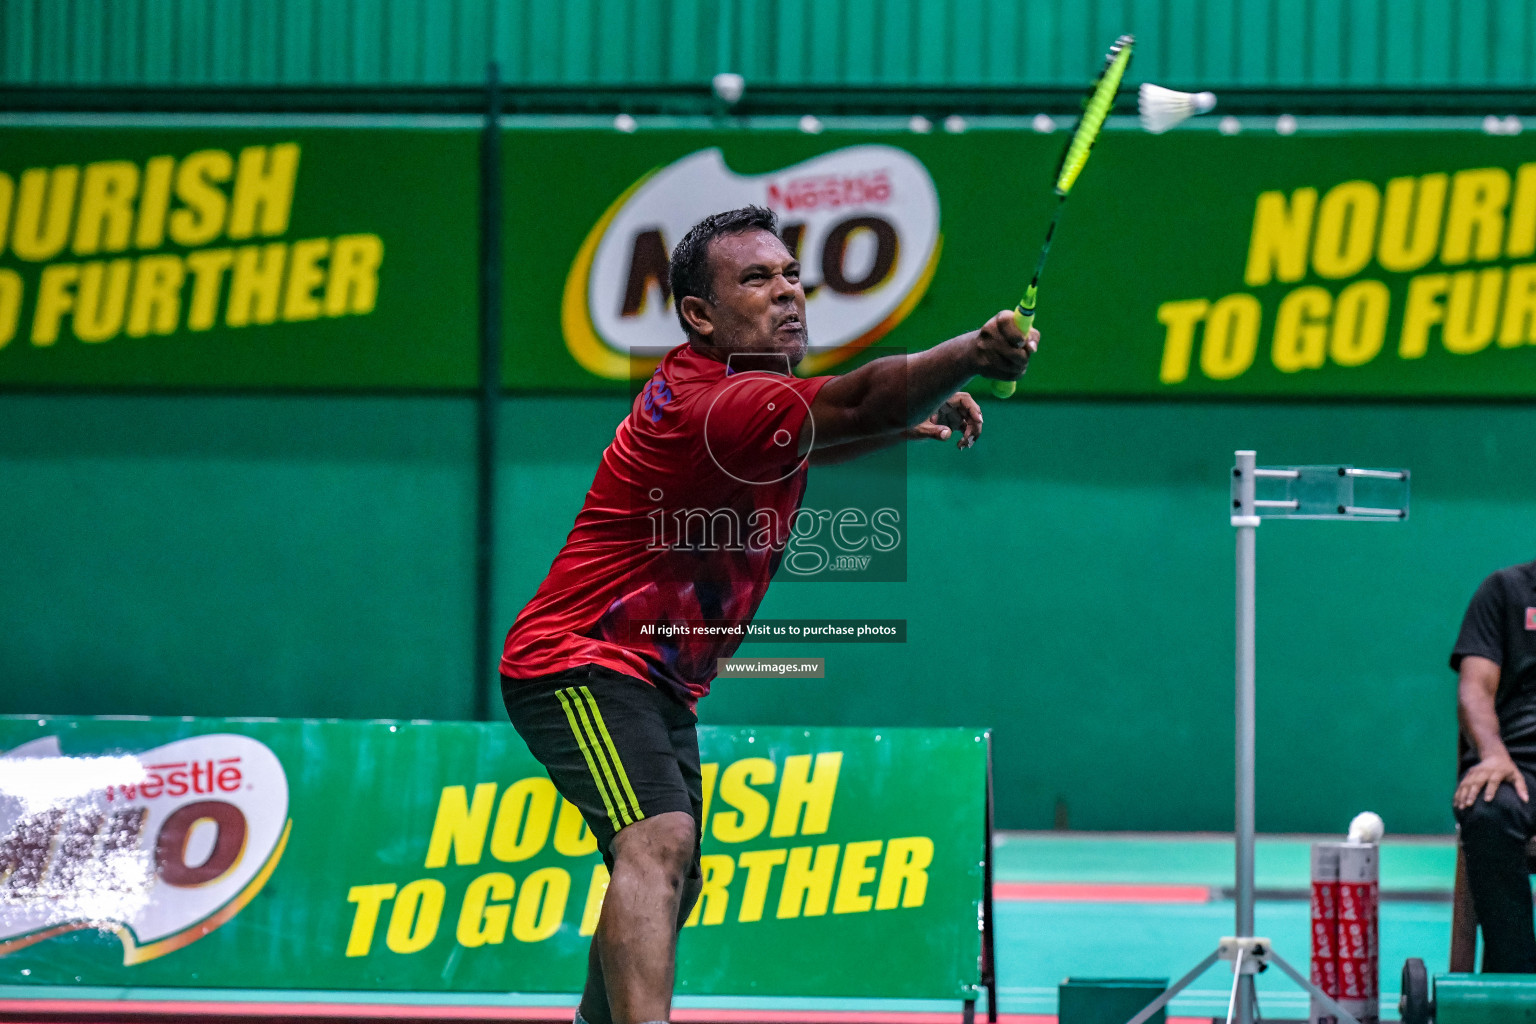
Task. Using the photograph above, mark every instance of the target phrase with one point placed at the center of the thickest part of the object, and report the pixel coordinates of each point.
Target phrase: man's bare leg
(636, 939)
(594, 997)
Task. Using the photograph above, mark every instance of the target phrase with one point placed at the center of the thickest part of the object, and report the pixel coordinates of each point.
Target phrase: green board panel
(1484, 999)
(246, 854)
(276, 255)
(1383, 264)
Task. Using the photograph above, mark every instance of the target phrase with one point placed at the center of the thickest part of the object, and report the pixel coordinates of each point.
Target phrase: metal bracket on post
(1251, 953)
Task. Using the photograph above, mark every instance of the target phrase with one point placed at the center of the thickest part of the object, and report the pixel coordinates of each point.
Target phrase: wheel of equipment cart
(1415, 1006)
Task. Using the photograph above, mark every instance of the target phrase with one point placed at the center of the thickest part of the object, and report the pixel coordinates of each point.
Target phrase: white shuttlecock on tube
(625, 123)
(811, 124)
(1161, 108)
(1367, 827)
(920, 124)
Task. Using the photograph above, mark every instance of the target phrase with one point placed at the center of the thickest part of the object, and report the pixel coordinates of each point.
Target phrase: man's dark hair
(690, 270)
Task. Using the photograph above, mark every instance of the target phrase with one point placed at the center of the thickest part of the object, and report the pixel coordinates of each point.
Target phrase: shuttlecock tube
(1162, 108)
(1325, 928)
(1357, 944)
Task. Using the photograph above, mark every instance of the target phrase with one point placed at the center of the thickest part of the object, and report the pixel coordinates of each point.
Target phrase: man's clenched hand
(1002, 350)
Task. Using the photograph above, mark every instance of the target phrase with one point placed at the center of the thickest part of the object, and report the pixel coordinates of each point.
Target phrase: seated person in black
(1495, 657)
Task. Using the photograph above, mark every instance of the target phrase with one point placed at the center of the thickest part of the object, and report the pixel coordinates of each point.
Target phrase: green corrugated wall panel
(1327, 60)
(1110, 21)
(1399, 63)
(1151, 53)
(1322, 43)
(1180, 48)
(1362, 58)
(1510, 65)
(1040, 20)
(963, 47)
(1073, 47)
(1253, 42)
(1290, 45)
(1436, 36)
(1218, 54)
(1471, 62)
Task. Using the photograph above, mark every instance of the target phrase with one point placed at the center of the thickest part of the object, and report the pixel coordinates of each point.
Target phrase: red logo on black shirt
(1530, 618)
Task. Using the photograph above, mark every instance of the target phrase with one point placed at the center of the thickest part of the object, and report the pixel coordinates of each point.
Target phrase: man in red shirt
(686, 522)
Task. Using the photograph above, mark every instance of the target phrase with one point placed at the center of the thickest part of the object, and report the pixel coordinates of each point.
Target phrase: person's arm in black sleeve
(1477, 658)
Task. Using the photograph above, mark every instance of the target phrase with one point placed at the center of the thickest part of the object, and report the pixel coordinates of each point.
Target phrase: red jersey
(686, 521)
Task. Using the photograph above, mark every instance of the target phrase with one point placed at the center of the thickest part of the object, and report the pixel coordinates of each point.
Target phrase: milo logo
(863, 222)
(160, 847)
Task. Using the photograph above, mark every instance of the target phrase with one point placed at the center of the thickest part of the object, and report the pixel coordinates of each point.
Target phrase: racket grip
(1024, 320)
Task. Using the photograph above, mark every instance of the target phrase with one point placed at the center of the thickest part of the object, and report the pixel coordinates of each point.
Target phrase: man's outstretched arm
(959, 413)
(894, 394)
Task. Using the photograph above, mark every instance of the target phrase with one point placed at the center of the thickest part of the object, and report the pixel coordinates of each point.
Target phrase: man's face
(759, 305)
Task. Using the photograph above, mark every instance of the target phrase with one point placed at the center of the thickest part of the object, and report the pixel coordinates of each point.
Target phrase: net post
(1244, 521)
(988, 927)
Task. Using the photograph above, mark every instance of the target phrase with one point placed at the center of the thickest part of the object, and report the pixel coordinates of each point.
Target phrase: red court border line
(26, 1011)
(1100, 892)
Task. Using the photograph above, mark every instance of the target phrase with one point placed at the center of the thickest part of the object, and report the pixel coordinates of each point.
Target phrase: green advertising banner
(437, 857)
(1329, 263)
(263, 254)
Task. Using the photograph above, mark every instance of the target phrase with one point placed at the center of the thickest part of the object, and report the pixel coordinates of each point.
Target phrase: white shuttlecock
(920, 124)
(1367, 827)
(625, 123)
(1285, 124)
(954, 124)
(811, 124)
(1161, 108)
(728, 86)
(1044, 124)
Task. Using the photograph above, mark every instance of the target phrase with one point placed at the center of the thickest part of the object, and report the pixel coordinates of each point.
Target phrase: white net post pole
(1246, 522)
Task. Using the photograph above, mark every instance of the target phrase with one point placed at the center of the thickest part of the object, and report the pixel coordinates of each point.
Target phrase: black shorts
(618, 748)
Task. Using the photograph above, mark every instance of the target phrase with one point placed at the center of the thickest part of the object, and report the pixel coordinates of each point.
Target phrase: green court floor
(1415, 864)
(1042, 942)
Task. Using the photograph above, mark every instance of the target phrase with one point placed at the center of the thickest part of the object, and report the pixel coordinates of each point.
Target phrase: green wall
(1070, 583)
(894, 43)
(275, 556)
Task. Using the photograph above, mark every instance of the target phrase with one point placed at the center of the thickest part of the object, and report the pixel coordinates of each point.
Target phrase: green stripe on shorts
(618, 766)
(567, 699)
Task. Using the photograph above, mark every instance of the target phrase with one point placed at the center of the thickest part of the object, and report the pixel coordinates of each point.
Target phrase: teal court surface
(1154, 906)
(1067, 904)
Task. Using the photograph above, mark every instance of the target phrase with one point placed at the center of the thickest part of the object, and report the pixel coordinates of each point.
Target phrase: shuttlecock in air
(1367, 827)
(1161, 108)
